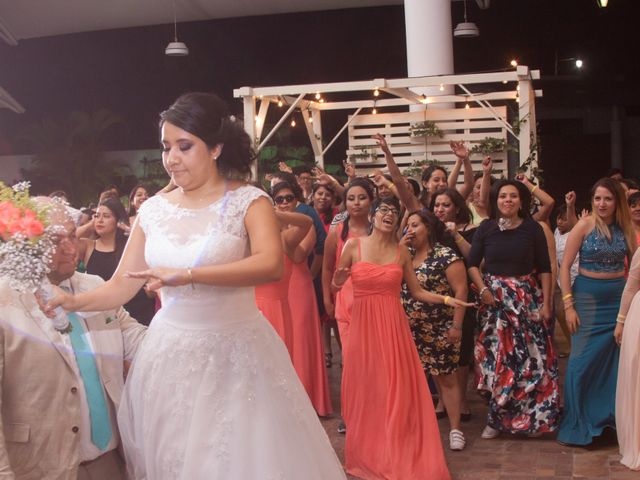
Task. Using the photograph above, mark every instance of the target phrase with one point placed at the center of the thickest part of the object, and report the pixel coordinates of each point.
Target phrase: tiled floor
(508, 457)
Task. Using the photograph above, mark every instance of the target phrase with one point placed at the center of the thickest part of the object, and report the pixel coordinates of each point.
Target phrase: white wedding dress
(212, 393)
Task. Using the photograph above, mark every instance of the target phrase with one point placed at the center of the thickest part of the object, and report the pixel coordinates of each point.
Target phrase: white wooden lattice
(470, 125)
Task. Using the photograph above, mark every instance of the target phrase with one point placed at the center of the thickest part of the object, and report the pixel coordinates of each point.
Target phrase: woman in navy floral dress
(437, 329)
(517, 366)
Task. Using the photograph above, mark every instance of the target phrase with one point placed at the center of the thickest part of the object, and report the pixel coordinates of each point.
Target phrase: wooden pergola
(475, 111)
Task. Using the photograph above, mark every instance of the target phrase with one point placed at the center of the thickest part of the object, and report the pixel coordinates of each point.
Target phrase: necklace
(507, 224)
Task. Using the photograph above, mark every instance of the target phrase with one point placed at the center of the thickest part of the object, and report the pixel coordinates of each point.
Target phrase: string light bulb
(513, 63)
(280, 103)
(317, 95)
(293, 122)
(441, 87)
(466, 106)
(376, 92)
(322, 100)
(424, 99)
(258, 121)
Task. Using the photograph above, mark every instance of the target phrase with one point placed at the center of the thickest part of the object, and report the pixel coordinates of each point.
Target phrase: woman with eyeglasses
(392, 431)
(308, 354)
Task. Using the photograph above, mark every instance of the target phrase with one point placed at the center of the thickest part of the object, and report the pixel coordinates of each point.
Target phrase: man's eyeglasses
(280, 199)
(386, 211)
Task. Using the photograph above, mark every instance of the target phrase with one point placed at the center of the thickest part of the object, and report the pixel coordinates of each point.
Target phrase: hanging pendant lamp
(466, 29)
(176, 48)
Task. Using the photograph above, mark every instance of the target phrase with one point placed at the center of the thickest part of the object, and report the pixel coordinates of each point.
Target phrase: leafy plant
(427, 128)
(364, 152)
(490, 145)
(69, 154)
(417, 167)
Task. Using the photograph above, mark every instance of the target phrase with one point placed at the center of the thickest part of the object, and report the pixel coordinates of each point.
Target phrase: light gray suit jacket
(39, 402)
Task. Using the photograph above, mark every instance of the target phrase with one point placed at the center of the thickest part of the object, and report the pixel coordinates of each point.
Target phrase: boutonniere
(109, 320)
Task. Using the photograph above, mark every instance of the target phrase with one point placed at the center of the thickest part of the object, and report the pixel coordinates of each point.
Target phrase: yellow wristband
(534, 188)
(568, 295)
(446, 299)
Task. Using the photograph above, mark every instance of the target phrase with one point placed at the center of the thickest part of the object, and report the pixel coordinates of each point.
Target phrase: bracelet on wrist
(483, 290)
(534, 188)
(568, 295)
(621, 322)
(193, 287)
(335, 285)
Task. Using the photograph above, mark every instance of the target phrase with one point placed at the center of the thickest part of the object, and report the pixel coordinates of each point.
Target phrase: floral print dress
(429, 323)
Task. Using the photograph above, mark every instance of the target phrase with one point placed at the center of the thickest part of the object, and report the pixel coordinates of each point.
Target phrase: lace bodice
(178, 237)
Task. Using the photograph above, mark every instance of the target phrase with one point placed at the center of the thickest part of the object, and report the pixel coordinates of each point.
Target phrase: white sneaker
(489, 432)
(456, 440)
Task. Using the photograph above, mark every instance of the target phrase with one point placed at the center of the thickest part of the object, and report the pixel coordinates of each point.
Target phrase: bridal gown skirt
(212, 397)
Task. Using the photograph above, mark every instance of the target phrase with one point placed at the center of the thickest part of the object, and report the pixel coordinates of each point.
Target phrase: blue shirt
(321, 234)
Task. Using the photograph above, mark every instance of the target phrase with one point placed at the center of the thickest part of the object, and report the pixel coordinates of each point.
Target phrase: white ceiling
(22, 19)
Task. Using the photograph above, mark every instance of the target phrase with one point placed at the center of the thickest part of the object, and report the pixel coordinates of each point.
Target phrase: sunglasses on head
(280, 199)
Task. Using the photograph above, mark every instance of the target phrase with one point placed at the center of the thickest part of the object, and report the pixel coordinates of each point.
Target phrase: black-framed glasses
(280, 199)
(386, 211)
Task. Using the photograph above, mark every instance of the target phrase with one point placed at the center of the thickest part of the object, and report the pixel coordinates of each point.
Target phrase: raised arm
(406, 196)
(572, 217)
(299, 226)
(485, 185)
(462, 154)
(546, 201)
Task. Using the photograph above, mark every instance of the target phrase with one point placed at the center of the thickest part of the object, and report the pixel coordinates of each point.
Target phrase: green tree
(69, 154)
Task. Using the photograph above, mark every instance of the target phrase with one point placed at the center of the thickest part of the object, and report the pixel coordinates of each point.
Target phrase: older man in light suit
(59, 393)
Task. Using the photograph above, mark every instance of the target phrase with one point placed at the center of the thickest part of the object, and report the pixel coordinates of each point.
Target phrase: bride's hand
(61, 299)
(163, 277)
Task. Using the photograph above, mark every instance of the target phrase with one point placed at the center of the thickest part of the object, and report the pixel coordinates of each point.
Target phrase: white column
(429, 41)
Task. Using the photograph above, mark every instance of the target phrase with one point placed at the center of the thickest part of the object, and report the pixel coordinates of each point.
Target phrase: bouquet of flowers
(26, 246)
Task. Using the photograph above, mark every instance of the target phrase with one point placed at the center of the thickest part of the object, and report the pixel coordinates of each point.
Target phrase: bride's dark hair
(206, 116)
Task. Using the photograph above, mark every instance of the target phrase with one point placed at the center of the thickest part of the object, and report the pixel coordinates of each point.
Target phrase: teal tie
(98, 412)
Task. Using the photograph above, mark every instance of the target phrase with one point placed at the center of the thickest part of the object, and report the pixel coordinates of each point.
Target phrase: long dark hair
(206, 116)
(463, 215)
(119, 212)
(426, 176)
(327, 216)
(132, 194)
(437, 230)
(368, 187)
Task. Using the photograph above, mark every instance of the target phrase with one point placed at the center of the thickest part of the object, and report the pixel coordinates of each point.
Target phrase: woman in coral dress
(272, 299)
(627, 334)
(308, 354)
(392, 429)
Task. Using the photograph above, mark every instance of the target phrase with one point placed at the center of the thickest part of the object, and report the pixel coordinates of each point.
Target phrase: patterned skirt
(516, 364)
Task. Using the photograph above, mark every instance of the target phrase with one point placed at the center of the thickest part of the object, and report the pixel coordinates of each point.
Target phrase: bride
(212, 393)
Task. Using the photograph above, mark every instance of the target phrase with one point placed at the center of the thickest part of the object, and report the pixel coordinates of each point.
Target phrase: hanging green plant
(490, 145)
(425, 129)
(365, 153)
(418, 166)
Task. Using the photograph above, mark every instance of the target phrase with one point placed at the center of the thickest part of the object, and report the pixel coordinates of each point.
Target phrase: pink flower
(30, 225)
(9, 214)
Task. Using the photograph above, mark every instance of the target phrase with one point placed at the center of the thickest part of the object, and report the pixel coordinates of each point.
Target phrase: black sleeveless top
(103, 264)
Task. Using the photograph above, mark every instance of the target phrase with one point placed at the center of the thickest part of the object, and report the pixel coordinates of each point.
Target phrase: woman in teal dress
(604, 239)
